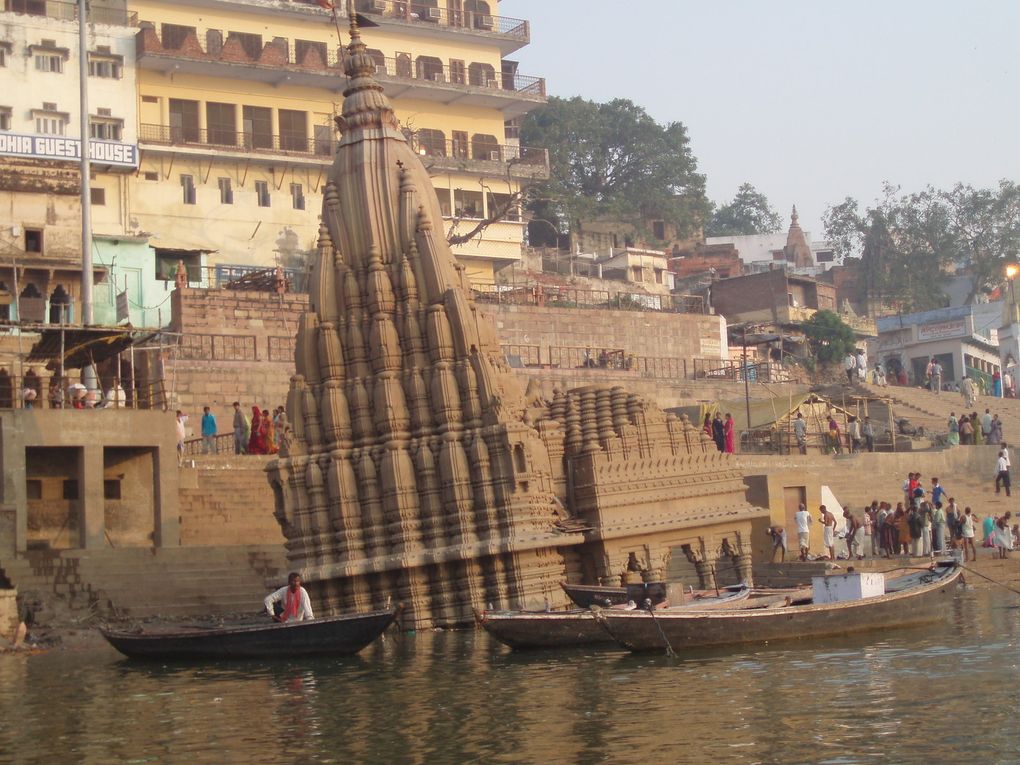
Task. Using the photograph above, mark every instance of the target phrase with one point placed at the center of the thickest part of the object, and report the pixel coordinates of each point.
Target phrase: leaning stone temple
(416, 469)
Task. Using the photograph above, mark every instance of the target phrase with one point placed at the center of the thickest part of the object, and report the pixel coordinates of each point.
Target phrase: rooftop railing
(254, 142)
(569, 297)
(316, 56)
(481, 21)
(68, 11)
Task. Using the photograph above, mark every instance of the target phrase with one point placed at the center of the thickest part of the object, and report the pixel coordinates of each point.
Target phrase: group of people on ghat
(927, 522)
(262, 433)
(720, 431)
(974, 430)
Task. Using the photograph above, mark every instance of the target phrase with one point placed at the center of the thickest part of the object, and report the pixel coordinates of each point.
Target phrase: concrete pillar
(13, 502)
(90, 497)
(166, 514)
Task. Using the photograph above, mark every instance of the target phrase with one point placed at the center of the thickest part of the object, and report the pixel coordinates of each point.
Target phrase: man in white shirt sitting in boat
(290, 602)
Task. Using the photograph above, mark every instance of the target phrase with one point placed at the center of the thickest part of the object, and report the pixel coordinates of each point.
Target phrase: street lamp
(1011, 271)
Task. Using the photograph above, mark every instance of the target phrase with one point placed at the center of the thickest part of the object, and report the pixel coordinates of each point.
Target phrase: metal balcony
(482, 158)
(280, 61)
(425, 17)
(68, 11)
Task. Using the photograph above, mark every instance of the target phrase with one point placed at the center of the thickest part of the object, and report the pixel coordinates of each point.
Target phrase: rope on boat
(669, 649)
(990, 579)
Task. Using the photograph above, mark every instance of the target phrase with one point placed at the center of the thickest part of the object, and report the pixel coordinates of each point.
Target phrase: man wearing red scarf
(290, 602)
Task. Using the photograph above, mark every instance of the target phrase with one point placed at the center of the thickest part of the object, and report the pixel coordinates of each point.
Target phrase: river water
(944, 693)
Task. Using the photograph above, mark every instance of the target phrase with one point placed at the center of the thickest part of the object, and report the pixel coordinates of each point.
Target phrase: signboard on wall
(942, 330)
(123, 312)
(68, 149)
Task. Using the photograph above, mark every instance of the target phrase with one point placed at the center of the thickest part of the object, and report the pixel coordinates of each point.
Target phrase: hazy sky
(811, 101)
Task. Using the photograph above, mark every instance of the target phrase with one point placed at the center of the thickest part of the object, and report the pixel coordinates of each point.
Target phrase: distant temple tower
(416, 468)
(797, 250)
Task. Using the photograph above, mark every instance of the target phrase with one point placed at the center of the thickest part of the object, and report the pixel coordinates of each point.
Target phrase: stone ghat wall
(649, 334)
(235, 346)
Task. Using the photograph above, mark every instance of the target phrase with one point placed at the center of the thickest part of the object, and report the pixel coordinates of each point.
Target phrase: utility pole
(86, 185)
(747, 387)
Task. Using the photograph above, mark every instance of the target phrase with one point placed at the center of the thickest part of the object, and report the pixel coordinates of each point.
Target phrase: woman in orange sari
(267, 421)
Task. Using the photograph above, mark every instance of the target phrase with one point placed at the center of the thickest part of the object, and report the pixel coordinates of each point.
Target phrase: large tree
(829, 338)
(748, 213)
(613, 159)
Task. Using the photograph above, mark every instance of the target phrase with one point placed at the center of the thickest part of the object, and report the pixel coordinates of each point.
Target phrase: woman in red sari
(257, 443)
(728, 431)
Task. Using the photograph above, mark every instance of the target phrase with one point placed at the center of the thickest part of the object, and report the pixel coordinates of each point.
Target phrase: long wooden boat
(345, 634)
(553, 629)
(919, 597)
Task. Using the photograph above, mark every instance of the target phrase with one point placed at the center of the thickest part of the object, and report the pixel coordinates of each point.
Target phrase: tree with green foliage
(613, 159)
(909, 242)
(748, 213)
(829, 338)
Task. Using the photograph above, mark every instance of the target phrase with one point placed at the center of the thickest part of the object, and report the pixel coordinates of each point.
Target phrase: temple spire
(794, 218)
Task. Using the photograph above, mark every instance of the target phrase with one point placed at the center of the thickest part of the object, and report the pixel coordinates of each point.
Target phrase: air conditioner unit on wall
(494, 155)
(485, 22)
(375, 5)
(433, 14)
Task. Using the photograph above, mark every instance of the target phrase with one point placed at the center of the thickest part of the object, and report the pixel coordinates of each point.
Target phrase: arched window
(478, 14)
(404, 65)
(431, 143)
(429, 68)
(380, 60)
(482, 75)
(60, 303)
(520, 461)
(30, 291)
(484, 147)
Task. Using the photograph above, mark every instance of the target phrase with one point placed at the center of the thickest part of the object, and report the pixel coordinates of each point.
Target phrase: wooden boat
(914, 598)
(551, 629)
(345, 634)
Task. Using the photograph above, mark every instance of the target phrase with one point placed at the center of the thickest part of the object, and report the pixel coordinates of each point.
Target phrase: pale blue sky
(810, 101)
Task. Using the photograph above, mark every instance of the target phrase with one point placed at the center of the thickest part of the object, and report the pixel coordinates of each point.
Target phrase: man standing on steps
(1002, 473)
(208, 431)
(239, 439)
(929, 373)
(986, 426)
(862, 365)
(828, 531)
(968, 391)
(803, 520)
(850, 367)
(936, 376)
(868, 431)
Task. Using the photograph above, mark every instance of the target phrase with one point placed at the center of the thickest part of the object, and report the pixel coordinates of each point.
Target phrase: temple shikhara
(416, 467)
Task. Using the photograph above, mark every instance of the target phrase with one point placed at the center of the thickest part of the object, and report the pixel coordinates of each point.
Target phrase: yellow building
(236, 132)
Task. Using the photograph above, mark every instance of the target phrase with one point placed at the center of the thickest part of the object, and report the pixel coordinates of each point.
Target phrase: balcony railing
(68, 11)
(315, 57)
(569, 297)
(228, 140)
(426, 13)
(525, 161)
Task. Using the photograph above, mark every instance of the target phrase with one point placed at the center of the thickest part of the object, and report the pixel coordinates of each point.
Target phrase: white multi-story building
(40, 145)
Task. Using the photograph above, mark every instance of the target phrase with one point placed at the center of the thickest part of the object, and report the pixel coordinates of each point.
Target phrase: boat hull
(333, 635)
(643, 631)
(559, 629)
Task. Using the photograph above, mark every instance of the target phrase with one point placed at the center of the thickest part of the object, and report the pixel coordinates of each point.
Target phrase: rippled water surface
(943, 694)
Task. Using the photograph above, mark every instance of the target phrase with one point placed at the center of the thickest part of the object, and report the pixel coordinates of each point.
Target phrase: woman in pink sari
(728, 431)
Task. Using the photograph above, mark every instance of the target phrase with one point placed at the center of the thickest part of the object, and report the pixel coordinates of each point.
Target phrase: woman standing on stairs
(954, 430)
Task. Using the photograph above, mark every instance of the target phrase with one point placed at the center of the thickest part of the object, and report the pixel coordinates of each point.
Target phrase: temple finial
(793, 218)
(353, 19)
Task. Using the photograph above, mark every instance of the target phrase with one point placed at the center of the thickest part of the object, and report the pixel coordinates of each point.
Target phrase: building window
(262, 192)
(105, 65)
(659, 230)
(150, 99)
(49, 62)
(221, 123)
(431, 143)
(457, 71)
(174, 35)
(184, 121)
(5, 117)
(188, 186)
(257, 124)
(226, 192)
(33, 488)
(33, 240)
(103, 127)
(98, 196)
(297, 196)
(111, 488)
(71, 488)
(49, 121)
(323, 140)
(467, 204)
(250, 44)
(293, 130)
(5, 51)
(150, 176)
(304, 48)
